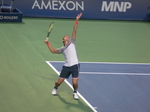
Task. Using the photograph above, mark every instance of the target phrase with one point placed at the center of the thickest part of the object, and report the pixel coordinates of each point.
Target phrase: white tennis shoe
(75, 95)
(54, 92)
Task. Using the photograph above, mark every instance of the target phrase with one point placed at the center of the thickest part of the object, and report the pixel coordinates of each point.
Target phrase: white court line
(112, 63)
(114, 73)
(109, 63)
(109, 73)
(94, 110)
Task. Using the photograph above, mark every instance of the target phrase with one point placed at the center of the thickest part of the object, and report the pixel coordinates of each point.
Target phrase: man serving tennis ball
(71, 65)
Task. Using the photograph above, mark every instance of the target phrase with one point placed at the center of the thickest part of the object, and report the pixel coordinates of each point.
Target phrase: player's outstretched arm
(53, 50)
(75, 26)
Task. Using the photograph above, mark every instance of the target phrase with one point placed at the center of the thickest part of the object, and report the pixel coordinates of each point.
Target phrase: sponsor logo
(114, 6)
(8, 17)
(58, 5)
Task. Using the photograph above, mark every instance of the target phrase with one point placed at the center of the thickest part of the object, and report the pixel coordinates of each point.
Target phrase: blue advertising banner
(91, 9)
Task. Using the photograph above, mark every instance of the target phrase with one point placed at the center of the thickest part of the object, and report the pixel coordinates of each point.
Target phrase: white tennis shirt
(70, 53)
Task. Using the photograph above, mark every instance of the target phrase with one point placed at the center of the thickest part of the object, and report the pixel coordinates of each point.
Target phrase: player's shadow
(80, 105)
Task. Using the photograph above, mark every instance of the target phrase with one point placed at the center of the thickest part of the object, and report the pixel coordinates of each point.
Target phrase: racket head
(50, 29)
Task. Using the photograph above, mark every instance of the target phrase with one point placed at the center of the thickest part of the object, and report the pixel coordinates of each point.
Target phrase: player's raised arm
(75, 26)
(53, 50)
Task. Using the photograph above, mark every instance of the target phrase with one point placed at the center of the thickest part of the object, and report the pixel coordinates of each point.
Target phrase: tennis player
(71, 66)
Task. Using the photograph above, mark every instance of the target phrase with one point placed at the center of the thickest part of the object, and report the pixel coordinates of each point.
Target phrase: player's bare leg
(57, 84)
(75, 86)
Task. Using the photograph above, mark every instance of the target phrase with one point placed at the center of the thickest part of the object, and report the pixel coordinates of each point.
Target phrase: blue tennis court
(113, 87)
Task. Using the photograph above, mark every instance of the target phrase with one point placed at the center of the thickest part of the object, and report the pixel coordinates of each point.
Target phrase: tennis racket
(49, 30)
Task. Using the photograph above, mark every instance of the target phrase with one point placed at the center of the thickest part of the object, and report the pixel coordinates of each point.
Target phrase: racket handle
(46, 39)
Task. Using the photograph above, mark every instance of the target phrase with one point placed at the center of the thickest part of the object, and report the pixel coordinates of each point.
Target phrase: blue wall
(91, 9)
